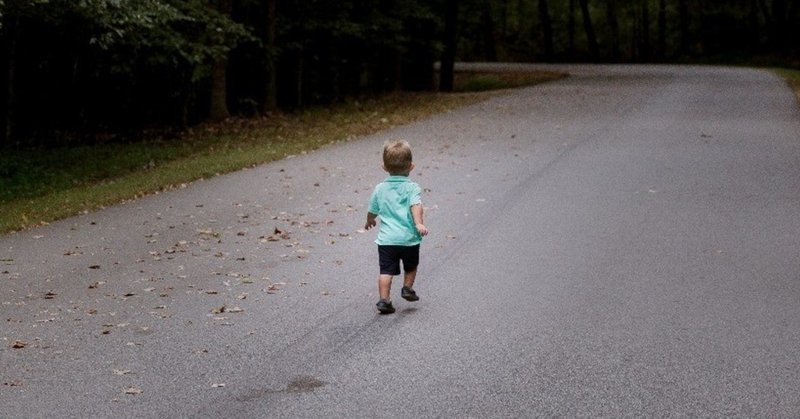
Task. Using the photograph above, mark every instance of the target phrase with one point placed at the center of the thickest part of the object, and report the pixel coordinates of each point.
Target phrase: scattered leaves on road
(133, 390)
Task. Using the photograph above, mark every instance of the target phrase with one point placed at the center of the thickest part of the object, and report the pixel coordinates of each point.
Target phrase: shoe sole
(386, 310)
(409, 296)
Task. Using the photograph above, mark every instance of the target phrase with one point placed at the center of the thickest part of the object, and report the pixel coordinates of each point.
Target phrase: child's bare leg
(384, 286)
(409, 277)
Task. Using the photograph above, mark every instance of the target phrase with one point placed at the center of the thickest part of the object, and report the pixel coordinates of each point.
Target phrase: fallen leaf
(219, 310)
(49, 295)
(15, 383)
(18, 344)
(133, 390)
(235, 310)
(274, 288)
(122, 372)
(217, 385)
(94, 267)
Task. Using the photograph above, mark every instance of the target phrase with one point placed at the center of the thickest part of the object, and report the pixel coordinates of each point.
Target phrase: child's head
(397, 157)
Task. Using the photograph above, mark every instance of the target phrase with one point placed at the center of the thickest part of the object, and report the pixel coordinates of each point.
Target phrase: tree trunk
(299, 74)
(662, 29)
(683, 17)
(613, 24)
(571, 30)
(779, 18)
(449, 54)
(645, 34)
(219, 94)
(504, 20)
(754, 27)
(271, 74)
(489, 41)
(219, 75)
(12, 34)
(547, 29)
(591, 39)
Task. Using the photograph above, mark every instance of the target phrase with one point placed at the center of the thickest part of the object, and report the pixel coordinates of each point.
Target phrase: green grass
(38, 186)
(484, 81)
(792, 78)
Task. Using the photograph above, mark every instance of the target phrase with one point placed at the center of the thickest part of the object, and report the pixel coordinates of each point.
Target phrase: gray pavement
(622, 242)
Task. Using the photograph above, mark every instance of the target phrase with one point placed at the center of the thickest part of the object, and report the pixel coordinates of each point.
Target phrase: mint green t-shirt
(391, 201)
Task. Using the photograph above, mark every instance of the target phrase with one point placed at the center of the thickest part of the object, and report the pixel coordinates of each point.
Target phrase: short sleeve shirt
(391, 201)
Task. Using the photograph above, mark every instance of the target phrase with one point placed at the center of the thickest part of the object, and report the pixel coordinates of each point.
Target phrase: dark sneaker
(409, 294)
(385, 307)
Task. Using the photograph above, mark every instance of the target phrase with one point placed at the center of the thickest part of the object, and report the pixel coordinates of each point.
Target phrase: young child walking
(397, 201)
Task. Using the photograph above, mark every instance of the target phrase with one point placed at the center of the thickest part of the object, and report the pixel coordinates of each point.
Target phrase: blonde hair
(397, 157)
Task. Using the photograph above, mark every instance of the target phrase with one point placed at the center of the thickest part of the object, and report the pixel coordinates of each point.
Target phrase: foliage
(79, 71)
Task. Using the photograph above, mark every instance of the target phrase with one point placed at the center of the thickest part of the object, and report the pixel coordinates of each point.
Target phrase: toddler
(397, 201)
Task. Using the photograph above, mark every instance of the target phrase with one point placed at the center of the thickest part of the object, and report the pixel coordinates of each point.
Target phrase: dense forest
(96, 70)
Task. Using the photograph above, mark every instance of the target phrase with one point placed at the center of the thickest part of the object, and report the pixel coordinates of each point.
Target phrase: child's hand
(370, 223)
(423, 231)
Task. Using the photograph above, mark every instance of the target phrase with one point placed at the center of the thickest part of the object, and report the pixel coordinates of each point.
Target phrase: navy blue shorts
(391, 256)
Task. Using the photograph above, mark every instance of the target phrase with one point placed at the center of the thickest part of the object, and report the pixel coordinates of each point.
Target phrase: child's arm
(370, 221)
(416, 212)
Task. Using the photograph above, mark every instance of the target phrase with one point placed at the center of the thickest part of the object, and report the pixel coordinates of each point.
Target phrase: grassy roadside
(38, 186)
(792, 78)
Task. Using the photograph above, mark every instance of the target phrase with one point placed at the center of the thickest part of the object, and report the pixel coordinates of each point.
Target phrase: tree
(613, 25)
(642, 35)
(662, 29)
(683, 17)
(11, 35)
(591, 39)
(270, 101)
(489, 35)
(219, 73)
(547, 29)
(571, 29)
(450, 41)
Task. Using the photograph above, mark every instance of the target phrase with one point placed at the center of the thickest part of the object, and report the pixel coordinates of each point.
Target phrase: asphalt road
(622, 242)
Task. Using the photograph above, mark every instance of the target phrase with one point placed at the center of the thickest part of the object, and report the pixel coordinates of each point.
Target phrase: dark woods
(78, 70)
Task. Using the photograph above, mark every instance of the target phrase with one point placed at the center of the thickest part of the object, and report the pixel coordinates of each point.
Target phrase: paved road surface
(623, 242)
